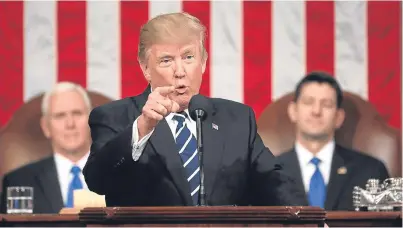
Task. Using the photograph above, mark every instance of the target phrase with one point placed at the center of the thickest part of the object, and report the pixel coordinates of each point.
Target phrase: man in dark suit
(326, 171)
(144, 147)
(65, 111)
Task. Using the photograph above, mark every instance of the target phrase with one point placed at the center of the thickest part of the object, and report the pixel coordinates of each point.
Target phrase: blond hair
(64, 87)
(171, 27)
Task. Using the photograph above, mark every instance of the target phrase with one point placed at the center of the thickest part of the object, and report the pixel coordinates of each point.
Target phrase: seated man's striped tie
(187, 145)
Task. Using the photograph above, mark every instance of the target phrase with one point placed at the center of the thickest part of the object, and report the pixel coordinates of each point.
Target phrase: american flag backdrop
(257, 50)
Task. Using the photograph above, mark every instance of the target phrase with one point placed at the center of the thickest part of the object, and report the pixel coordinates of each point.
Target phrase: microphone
(198, 109)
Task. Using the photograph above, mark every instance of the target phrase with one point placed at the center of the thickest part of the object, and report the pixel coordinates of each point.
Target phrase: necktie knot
(75, 170)
(180, 118)
(315, 161)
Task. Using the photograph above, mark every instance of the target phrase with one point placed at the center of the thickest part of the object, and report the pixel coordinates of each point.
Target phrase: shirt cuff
(138, 145)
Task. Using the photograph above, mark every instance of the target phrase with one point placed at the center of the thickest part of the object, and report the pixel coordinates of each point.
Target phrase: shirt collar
(62, 161)
(171, 115)
(325, 154)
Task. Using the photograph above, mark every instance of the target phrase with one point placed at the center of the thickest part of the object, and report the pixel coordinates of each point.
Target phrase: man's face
(176, 65)
(315, 112)
(66, 123)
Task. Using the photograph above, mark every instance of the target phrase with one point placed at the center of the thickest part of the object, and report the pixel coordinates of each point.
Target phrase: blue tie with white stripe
(187, 146)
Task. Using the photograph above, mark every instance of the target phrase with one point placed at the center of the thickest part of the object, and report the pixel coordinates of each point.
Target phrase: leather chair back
(363, 130)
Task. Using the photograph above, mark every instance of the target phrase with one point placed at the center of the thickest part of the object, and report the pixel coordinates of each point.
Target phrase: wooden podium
(204, 216)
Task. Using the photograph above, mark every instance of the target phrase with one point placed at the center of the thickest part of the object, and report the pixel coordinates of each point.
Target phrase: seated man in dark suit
(144, 149)
(326, 171)
(65, 111)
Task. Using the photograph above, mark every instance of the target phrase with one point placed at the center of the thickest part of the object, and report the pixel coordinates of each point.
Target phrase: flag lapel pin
(215, 126)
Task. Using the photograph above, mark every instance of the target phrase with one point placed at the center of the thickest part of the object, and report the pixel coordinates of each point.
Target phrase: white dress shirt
(308, 169)
(138, 146)
(63, 167)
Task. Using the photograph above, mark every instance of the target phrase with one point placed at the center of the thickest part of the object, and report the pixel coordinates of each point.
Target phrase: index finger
(165, 90)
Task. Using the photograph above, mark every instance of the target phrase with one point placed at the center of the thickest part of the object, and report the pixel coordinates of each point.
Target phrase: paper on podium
(84, 198)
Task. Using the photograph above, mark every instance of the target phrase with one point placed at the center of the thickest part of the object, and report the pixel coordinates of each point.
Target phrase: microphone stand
(202, 193)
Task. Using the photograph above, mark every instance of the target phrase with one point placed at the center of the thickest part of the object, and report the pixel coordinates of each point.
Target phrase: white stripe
(103, 48)
(288, 44)
(401, 66)
(194, 173)
(40, 44)
(157, 7)
(186, 143)
(190, 159)
(180, 130)
(351, 59)
(226, 38)
(196, 190)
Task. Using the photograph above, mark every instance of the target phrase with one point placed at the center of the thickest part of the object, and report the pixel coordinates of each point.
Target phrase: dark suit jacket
(42, 176)
(239, 169)
(359, 167)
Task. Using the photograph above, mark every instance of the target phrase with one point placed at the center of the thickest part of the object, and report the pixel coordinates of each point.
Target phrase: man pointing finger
(144, 150)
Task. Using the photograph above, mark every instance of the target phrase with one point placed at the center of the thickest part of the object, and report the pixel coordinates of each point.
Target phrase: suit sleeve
(138, 145)
(382, 172)
(111, 152)
(270, 184)
(3, 199)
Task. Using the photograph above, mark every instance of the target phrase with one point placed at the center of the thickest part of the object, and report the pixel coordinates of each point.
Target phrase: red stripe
(11, 58)
(201, 10)
(384, 59)
(133, 15)
(257, 58)
(320, 36)
(72, 41)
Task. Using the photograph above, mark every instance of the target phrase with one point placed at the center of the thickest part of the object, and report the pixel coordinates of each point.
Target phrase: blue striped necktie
(187, 146)
(317, 187)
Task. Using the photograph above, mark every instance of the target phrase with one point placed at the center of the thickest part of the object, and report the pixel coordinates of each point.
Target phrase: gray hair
(64, 87)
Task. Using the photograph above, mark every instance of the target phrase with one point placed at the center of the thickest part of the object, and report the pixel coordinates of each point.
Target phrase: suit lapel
(338, 177)
(213, 143)
(295, 169)
(49, 185)
(163, 143)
